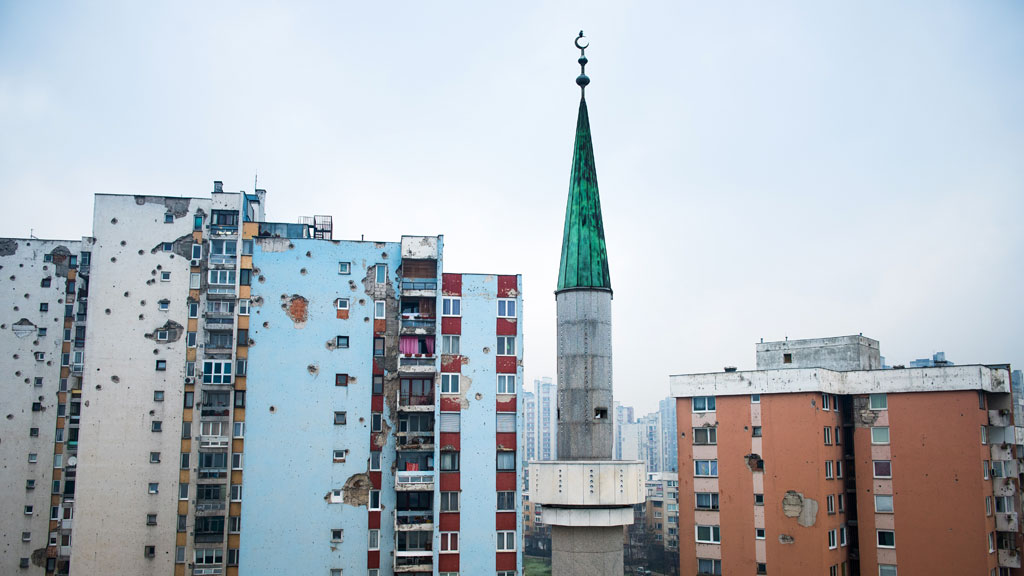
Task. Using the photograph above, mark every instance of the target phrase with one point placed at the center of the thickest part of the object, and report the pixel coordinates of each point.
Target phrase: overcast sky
(767, 169)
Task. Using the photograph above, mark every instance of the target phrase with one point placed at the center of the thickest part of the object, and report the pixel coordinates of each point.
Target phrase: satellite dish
(72, 461)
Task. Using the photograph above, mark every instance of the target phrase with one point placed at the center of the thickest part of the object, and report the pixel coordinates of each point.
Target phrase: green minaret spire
(584, 261)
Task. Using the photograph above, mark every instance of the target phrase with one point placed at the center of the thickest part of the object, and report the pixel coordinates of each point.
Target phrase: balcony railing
(210, 505)
(414, 477)
(407, 400)
(415, 438)
(419, 284)
(421, 322)
(213, 472)
(207, 537)
(414, 518)
(214, 441)
(207, 570)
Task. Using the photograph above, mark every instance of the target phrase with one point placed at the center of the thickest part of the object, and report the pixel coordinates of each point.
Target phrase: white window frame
(451, 306)
(874, 474)
(709, 433)
(758, 533)
(828, 435)
(712, 466)
(879, 532)
(379, 310)
(755, 398)
(373, 539)
(506, 541)
(711, 530)
(506, 383)
(878, 402)
(833, 539)
(824, 402)
(236, 492)
(842, 535)
(450, 344)
(341, 303)
(450, 496)
(243, 306)
(709, 403)
(880, 430)
(503, 308)
(344, 268)
(828, 470)
(449, 543)
(370, 503)
(195, 280)
(506, 346)
(165, 276)
(377, 273)
(450, 383)
(830, 504)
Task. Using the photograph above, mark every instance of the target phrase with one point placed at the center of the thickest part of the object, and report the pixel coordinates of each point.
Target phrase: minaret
(587, 496)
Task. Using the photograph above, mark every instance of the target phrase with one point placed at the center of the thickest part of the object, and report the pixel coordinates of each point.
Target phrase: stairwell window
(450, 383)
(506, 345)
(506, 383)
(449, 344)
(506, 541)
(703, 403)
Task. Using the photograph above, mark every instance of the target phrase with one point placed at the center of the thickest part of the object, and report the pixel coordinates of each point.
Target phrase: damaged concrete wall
(28, 414)
(290, 429)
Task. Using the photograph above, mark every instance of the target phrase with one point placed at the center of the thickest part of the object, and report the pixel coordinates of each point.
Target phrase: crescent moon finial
(582, 80)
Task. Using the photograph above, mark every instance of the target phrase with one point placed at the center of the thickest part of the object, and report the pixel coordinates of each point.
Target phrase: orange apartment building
(821, 462)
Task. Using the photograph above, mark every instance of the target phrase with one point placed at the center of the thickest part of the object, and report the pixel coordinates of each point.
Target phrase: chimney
(218, 186)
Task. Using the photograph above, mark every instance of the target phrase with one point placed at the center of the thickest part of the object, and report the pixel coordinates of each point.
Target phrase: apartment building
(661, 509)
(199, 310)
(43, 285)
(820, 462)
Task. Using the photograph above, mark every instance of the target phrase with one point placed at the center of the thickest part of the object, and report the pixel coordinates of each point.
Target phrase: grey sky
(766, 169)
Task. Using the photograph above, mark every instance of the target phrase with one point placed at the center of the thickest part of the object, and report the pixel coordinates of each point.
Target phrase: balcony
(209, 411)
(418, 324)
(416, 403)
(417, 363)
(222, 260)
(414, 480)
(211, 473)
(207, 570)
(415, 440)
(419, 287)
(414, 561)
(1009, 558)
(1007, 522)
(414, 520)
(214, 442)
(210, 506)
(209, 537)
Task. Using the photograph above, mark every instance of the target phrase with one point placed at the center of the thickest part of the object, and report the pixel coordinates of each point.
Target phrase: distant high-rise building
(623, 415)
(821, 462)
(668, 447)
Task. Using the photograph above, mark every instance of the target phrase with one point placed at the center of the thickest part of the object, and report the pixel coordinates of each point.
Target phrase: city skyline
(872, 148)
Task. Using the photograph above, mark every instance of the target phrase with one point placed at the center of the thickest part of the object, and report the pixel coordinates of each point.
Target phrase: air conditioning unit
(190, 380)
(195, 262)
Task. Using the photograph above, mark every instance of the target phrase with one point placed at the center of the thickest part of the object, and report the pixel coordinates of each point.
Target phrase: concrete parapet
(587, 483)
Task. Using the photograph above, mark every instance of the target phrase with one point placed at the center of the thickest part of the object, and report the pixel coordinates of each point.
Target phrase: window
(378, 384)
(506, 345)
(243, 306)
(341, 379)
(506, 501)
(239, 430)
(842, 535)
(194, 281)
(709, 566)
(828, 435)
(506, 461)
(168, 218)
(450, 422)
(985, 469)
(209, 556)
(506, 541)
(839, 436)
(883, 468)
(762, 568)
(705, 435)
(707, 500)
(33, 432)
(988, 505)
(157, 426)
(449, 461)
(29, 510)
(380, 273)
(233, 556)
(189, 399)
(185, 460)
(709, 534)
(759, 533)
(236, 460)
(833, 540)
(154, 487)
(344, 267)
(755, 398)
(758, 499)
(165, 276)
(449, 383)
(183, 491)
(376, 422)
(341, 303)
(217, 371)
(828, 469)
(33, 457)
(44, 307)
(878, 402)
(161, 365)
(341, 341)
(787, 358)
(824, 401)
(375, 460)
(449, 542)
(337, 535)
(839, 468)
(756, 432)
(236, 492)
(506, 383)
(339, 418)
(379, 310)
(450, 501)
(240, 366)
(506, 308)
(984, 435)
(703, 403)
(373, 542)
(1004, 504)
(1000, 469)
(705, 468)
(247, 247)
(830, 504)
(886, 570)
(880, 434)
(154, 457)
(164, 304)
(449, 344)
(506, 422)
(886, 539)
(150, 519)
(378, 346)
(451, 306)
(374, 500)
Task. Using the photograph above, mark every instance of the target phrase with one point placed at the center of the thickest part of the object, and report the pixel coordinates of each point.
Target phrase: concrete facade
(39, 285)
(842, 468)
(836, 353)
